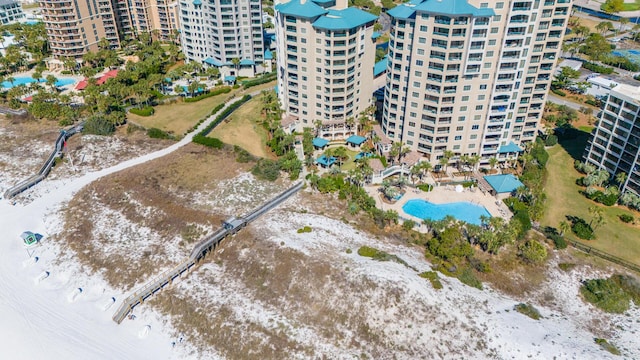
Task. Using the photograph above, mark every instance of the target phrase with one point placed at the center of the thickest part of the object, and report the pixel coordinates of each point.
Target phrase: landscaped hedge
(207, 141)
(597, 68)
(201, 137)
(601, 197)
(145, 111)
(559, 92)
(261, 80)
(156, 133)
(214, 92)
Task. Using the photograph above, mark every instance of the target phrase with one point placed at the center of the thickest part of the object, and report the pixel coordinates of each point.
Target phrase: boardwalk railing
(199, 251)
(48, 164)
(601, 254)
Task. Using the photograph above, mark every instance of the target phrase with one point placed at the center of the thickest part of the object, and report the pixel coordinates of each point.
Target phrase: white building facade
(10, 12)
(615, 143)
(325, 56)
(471, 76)
(215, 32)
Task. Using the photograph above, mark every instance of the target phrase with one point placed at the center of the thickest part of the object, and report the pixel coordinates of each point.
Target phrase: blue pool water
(633, 55)
(464, 211)
(20, 80)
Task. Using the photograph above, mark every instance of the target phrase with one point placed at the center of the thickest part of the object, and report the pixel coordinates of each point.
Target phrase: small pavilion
(503, 184)
(326, 162)
(355, 140)
(320, 143)
(29, 238)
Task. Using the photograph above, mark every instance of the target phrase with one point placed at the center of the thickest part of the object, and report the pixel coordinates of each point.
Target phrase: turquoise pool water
(20, 80)
(464, 211)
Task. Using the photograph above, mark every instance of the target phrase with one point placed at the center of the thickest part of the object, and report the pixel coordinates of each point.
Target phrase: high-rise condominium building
(75, 26)
(325, 58)
(217, 32)
(10, 12)
(470, 76)
(615, 144)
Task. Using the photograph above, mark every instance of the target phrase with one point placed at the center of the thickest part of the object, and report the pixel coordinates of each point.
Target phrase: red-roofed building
(101, 80)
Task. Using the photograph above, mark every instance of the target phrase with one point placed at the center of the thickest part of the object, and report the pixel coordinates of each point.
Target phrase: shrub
(367, 251)
(349, 251)
(551, 140)
(559, 92)
(566, 266)
(468, 278)
(306, 229)
(606, 294)
(98, 125)
(156, 133)
(214, 92)
(261, 80)
(597, 68)
(266, 169)
(242, 155)
(432, 276)
(607, 346)
(65, 72)
(532, 252)
(625, 218)
(608, 199)
(207, 141)
(582, 229)
(558, 241)
(529, 310)
(145, 111)
(425, 187)
(408, 224)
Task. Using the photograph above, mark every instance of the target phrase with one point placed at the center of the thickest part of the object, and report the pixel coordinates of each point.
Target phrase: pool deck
(441, 195)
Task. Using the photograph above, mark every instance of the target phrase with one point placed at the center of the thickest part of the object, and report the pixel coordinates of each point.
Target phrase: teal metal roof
(344, 19)
(325, 2)
(307, 10)
(197, 2)
(356, 140)
(453, 7)
(380, 66)
(503, 183)
(212, 61)
(376, 34)
(320, 143)
(444, 7)
(325, 161)
(509, 148)
(230, 78)
(402, 11)
(247, 62)
(268, 55)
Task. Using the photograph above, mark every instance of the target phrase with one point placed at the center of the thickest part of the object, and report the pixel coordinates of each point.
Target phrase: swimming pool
(464, 211)
(631, 54)
(23, 80)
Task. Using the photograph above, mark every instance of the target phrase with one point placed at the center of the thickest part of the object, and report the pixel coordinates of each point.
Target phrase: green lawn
(179, 117)
(243, 128)
(614, 237)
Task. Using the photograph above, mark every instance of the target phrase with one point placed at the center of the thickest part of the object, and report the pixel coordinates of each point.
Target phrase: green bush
(468, 278)
(582, 229)
(408, 224)
(432, 276)
(559, 92)
(607, 346)
(306, 229)
(156, 133)
(597, 68)
(242, 155)
(551, 140)
(261, 80)
(529, 310)
(425, 187)
(145, 111)
(532, 252)
(625, 218)
(566, 266)
(612, 295)
(367, 252)
(266, 169)
(98, 125)
(214, 92)
(558, 241)
(207, 141)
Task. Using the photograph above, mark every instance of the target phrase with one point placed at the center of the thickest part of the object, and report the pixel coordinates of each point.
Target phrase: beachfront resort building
(10, 12)
(470, 76)
(75, 27)
(226, 34)
(325, 57)
(615, 143)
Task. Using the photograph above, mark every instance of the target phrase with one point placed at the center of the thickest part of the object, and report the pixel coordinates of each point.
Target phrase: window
(483, 87)
(422, 40)
(499, 5)
(463, 108)
(456, 147)
(423, 28)
(467, 87)
(487, 65)
(494, 30)
(420, 51)
(492, 42)
(412, 124)
(478, 107)
(461, 118)
(418, 73)
(480, 97)
(484, 5)
(490, 53)
(419, 62)
(416, 84)
(465, 98)
(458, 137)
(485, 76)
(473, 137)
(477, 117)
(459, 128)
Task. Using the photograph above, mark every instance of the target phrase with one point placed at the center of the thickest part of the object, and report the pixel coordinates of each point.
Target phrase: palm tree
(493, 162)
(444, 162)
(621, 177)
(236, 64)
(51, 81)
(623, 23)
(564, 227)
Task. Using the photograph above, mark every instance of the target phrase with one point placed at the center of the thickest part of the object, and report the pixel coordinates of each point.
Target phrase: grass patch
(604, 344)
(468, 278)
(306, 229)
(179, 117)
(566, 267)
(432, 276)
(243, 128)
(156, 133)
(145, 111)
(564, 198)
(612, 295)
(529, 310)
(380, 255)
